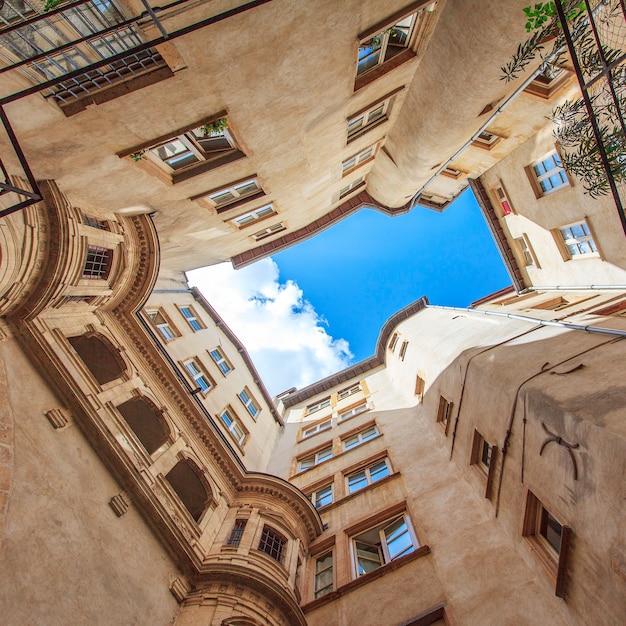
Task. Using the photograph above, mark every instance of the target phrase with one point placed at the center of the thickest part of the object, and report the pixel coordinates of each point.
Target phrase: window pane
(369, 557)
(357, 481)
(378, 471)
(398, 539)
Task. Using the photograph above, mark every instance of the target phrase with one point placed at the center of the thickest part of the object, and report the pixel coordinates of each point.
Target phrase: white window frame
(166, 328)
(370, 474)
(252, 217)
(319, 427)
(383, 551)
(311, 460)
(361, 437)
(353, 411)
(349, 391)
(269, 231)
(486, 140)
(356, 183)
(360, 158)
(236, 192)
(545, 170)
(578, 246)
(219, 358)
(524, 249)
(197, 373)
(313, 408)
(191, 142)
(364, 121)
(377, 47)
(319, 589)
(233, 425)
(321, 493)
(249, 402)
(191, 318)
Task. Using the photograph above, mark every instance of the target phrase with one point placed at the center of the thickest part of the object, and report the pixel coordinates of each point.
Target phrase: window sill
(366, 578)
(380, 70)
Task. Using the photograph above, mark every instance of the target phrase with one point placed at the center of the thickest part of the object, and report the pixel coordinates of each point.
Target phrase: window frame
(249, 402)
(98, 263)
(316, 458)
(588, 238)
(167, 330)
(552, 560)
(221, 360)
(193, 317)
(366, 155)
(538, 178)
(318, 592)
(366, 471)
(144, 154)
(444, 413)
(349, 391)
(236, 533)
(237, 199)
(256, 215)
(360, 440)
(384, 104)
(274, 229)
(383, 551)
(234, 425)
(200, 373)
(317, 427)
(357, 183)
(317, 495)
(318, 406)
(487, 140)
(277, 538)
(353, 411)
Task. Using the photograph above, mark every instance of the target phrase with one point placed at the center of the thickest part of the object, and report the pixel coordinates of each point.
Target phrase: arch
(146, 421)
(100, 356)
(187, 481)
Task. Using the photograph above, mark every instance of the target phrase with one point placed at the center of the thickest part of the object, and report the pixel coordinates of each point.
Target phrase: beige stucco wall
(65, 555)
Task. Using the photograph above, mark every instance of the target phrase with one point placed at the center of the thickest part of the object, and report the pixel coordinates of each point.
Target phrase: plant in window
(215, 128)
(138, 156)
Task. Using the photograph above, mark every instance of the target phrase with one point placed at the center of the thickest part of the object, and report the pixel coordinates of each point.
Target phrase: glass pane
(350, 442)
(398, 539)
(222, 197)
(369, 557)
(378, 471)
(228, 420)
(369, 433)
(356, 482)
(247, 188)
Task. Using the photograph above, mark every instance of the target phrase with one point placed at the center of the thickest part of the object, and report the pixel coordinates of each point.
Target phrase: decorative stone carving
(58, 417)
(179, 589)
(119, 504)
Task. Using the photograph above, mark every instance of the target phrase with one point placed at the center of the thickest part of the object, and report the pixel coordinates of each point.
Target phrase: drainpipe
(534, 320)
(572, 287)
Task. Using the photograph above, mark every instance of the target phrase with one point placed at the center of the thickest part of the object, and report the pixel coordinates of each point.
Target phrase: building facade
(469, 472)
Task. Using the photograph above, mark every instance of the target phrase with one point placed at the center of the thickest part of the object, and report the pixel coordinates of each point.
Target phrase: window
(549, 174)
(323, 574)
(486, 140)
(322, 496)
(322, 404)
(192, 319)
(420, 384)
(356, 183)
(385, 44)
(383, 544)
(233, 425)
(403, 347)
(525, 253)
(98, 263)
(273, 544)
(199, 376)
(203, 143)
(221, 361)
(355, 410)
(254, 216)
(269, 231)
(483, 454)
(548, 83)
(315, 459)
(316, 428)
(359, 159)
(549, 538)
(365, 120)
(393, 341)
(361, 437)
(94, 222)
(246, 398)
(235, 194)
(443, 413)
(503, 200)
(234, 539)
(162, 323)
(368, 475)
(345, 393)
(578, 240)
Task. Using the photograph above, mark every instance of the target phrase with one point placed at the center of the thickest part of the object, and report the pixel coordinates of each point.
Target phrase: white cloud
(282, 332)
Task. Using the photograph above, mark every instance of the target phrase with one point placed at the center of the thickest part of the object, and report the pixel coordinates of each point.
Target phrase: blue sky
(318, 307)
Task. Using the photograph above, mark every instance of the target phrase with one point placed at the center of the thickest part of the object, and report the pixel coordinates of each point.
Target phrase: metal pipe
(572, 287)
(533, 320)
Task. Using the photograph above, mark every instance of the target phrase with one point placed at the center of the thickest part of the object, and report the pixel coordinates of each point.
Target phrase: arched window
(146, 421)
(100, 356)
(185, 479)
